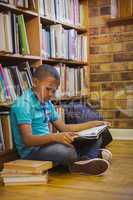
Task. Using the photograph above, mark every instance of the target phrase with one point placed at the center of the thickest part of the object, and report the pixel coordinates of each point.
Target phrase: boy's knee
(69, 155)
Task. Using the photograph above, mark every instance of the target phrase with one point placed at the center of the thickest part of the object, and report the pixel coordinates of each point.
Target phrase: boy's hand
(65, 138)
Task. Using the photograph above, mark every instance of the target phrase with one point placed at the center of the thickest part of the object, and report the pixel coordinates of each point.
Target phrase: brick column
(111, 66)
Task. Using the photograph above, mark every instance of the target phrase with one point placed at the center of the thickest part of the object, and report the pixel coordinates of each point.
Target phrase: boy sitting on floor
(30, 115)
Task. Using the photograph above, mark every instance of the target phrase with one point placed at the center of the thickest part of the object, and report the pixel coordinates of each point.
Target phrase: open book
(91, 133)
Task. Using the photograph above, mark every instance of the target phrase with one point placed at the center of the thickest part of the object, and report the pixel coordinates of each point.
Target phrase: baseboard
(122, 134)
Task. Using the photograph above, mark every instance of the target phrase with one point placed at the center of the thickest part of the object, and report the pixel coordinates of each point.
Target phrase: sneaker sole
(95, 166)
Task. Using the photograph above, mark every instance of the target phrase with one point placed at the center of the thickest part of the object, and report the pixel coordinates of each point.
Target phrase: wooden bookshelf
(120, 21)
(48, 21)
(8, 156)
(65, 61)
(18, 57)
(33, 22)
(79, 97)
(121, 13)
(5, 7)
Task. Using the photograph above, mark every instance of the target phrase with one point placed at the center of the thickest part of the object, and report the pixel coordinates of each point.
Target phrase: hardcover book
(91, 133)
(28, 165)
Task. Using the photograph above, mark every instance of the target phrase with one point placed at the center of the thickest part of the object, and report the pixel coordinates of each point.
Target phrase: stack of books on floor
(25, 172)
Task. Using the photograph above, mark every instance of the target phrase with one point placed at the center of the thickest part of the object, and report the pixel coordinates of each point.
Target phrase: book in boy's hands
(91, 133)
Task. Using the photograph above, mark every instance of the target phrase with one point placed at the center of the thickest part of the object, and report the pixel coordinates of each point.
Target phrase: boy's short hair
(43, 71)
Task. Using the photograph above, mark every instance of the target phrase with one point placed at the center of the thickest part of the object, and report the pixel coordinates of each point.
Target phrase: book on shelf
(6, 131)
(62, 11)
(61, 43)
(6, 24)
(26, 166)
(125, 8)
(114, 8)
(13, 37)
(91, 133)
(2, 143)
(24, 4)
(72, 81)
(23, 36)
(121, 9)
(14, 80)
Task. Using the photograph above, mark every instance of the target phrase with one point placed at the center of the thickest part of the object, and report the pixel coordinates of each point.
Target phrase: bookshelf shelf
(70, 98)
(56, 100)
(5, 152)
(48, 21)
(121, 13)
(18, 57)
(5, 7)
(120, 21)
(6, 105)
(65, 61)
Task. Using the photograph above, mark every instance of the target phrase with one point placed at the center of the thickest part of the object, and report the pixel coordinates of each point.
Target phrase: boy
(30, 115)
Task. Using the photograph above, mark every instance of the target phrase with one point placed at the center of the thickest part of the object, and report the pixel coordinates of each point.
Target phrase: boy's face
(46, 88)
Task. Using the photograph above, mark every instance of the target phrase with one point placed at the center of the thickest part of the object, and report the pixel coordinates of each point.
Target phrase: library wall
(111, 66)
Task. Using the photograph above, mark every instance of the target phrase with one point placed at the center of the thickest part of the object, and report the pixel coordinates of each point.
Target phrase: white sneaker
(106, 155)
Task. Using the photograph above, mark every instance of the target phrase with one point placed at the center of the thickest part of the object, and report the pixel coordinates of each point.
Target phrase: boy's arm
(37, 140)
(61, 126)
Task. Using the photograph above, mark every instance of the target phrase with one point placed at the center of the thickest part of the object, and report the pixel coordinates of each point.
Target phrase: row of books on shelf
(25, 4)
(72, 81)
(58, 42)
(13, 81)
(70, 11)
(25, 172)
(13, 37)
(120, 8)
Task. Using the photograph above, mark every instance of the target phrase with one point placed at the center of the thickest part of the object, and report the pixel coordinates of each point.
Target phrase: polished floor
(116, 184)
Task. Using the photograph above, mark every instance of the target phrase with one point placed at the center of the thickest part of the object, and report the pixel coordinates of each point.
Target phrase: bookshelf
(74, 21)
(121, 12)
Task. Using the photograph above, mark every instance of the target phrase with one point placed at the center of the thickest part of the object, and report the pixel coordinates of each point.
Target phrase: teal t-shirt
(27, 109)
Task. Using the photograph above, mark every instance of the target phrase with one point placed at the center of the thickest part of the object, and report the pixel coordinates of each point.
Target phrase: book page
(92, 131)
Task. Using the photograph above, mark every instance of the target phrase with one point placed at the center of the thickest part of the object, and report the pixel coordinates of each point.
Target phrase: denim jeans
(61, 154)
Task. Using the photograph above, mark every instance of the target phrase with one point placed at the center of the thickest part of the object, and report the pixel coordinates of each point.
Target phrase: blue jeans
(61, 154)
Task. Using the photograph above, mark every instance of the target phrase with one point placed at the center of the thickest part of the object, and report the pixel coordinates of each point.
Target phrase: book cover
(6, 126)
(2, 35)
(8, 32)
(24, 40)
(26, 179)
(28, 165)
(2, 143)
(32, 4)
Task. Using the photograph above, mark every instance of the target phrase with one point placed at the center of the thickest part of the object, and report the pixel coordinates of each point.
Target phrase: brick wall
(111, 66)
